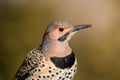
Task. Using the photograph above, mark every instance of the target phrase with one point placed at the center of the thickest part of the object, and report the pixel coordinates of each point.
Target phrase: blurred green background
(22, 23)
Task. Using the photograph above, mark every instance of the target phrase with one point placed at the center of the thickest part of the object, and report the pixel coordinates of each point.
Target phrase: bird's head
(62, 31)
(57, 35)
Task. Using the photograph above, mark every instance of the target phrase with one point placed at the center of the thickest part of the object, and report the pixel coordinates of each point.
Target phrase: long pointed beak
(75, 28)
(79, 27)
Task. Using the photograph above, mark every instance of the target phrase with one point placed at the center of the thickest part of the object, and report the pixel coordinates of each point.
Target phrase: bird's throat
(56, 48)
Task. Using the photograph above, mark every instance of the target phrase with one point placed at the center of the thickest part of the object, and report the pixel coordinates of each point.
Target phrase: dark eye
(61, 29)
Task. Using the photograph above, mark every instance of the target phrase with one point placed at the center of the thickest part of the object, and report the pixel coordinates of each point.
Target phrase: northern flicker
(53, 59)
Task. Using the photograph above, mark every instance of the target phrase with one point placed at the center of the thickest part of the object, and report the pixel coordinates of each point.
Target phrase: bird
(54, 59)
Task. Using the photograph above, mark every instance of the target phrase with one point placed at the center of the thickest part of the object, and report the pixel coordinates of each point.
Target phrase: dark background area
(22, 24)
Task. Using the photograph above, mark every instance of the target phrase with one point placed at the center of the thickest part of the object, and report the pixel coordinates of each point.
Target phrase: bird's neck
(56, 48)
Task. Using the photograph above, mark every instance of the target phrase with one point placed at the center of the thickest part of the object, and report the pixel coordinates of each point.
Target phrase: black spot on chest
(64, 62)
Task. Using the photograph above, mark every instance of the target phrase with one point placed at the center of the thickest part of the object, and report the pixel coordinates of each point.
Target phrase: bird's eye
(61, 29)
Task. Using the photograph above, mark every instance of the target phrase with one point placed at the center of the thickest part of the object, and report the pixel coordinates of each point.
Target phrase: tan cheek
(54, 35)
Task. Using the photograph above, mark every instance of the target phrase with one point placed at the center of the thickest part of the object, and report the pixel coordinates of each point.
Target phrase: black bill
(75, 28)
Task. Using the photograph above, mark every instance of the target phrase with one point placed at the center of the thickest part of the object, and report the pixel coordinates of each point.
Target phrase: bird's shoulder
(34, 55)
(30, 62)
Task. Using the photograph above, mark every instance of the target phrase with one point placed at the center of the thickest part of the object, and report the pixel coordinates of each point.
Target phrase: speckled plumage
(48, 71)
(54, 59)
(38, 67)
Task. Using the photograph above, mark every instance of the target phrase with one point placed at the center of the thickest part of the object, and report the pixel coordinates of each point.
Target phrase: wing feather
(29, 63)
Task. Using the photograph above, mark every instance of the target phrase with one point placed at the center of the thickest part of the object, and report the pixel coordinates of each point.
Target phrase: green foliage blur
(22, 24)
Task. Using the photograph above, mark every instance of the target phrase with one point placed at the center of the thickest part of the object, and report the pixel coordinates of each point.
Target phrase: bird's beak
(74, 29)
(79, 27)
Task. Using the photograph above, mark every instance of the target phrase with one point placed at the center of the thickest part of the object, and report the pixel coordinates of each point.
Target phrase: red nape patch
(46, 33)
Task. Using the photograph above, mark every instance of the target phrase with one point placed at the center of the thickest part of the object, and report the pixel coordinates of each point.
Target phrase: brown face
(59, 31)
